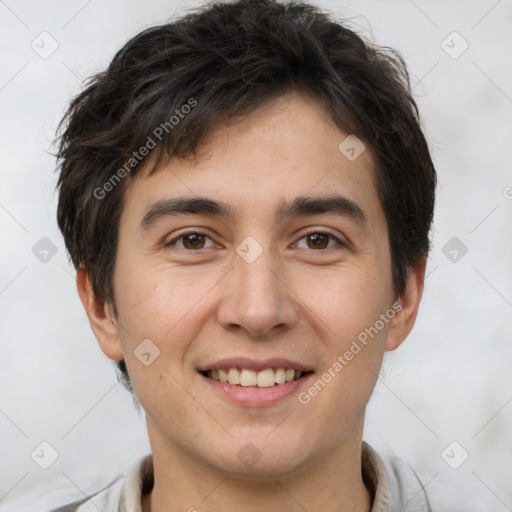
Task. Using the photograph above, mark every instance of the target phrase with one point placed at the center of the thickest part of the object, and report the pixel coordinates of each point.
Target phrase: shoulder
(399, 487)
(395, 483)
(122, 494)
(105, 499)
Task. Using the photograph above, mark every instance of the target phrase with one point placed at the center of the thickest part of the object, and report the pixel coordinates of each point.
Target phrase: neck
(330, 484)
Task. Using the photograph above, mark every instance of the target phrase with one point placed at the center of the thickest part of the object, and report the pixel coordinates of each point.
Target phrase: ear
(101, 317)
(403, 322)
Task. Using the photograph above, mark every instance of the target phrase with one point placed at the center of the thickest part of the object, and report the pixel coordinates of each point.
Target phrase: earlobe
(101, 318)
(404, 320)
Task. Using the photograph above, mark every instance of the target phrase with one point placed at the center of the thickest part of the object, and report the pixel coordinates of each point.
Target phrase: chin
(263, 452)
(274, 465)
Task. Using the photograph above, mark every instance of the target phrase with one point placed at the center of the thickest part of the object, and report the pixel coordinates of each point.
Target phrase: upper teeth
(246, 377)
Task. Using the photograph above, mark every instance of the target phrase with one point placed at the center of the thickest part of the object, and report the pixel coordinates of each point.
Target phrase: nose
(257, 298)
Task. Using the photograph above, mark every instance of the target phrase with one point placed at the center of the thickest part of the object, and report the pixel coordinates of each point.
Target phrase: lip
(252, 396)
(253, 364)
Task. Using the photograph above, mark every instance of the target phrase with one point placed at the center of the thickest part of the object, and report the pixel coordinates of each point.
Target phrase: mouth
(248, 382)
(246, 377)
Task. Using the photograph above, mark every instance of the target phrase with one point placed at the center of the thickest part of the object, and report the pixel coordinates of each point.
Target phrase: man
(246, 195)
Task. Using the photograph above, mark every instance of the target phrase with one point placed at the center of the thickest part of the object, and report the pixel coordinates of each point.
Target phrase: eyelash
(312, 232)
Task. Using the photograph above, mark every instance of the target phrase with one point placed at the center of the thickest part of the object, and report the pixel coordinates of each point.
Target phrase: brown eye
(193, 241)
(318, 240)
(189, 241)
(321, 240)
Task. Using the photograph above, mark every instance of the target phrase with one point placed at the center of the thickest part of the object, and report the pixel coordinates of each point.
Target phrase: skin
(294, 301)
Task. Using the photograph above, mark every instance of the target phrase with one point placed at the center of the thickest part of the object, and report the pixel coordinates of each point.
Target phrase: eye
(320, 240)
(191, 240)
(194, 240)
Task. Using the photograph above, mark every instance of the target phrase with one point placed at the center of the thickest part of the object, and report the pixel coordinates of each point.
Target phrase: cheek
(157, 305)
(346, 310)
(157, 301)
(166, 307)
(353, 347)
(345, 301)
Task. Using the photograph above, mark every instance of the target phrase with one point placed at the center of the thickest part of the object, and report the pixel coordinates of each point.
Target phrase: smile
(247, 377)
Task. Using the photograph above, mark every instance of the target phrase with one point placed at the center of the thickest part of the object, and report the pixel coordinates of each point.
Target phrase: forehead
(260, 163)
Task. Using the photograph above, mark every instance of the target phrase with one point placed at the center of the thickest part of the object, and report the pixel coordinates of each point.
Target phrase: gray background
(450, 381)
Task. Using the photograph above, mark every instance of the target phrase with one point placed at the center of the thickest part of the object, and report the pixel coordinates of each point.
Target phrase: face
(254, 279)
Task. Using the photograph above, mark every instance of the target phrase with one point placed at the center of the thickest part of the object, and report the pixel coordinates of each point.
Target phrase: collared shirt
(393, 484)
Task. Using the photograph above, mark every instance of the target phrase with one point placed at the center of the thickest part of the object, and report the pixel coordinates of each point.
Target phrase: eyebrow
(304, 205)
